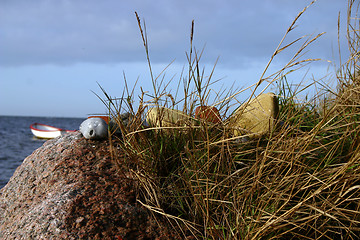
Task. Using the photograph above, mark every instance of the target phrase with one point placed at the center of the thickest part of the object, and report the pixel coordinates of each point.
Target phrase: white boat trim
(47, 132)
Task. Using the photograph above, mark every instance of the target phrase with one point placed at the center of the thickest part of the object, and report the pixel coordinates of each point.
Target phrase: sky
(54, 54)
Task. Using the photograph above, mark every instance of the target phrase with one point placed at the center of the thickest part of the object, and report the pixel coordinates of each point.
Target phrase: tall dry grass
(300, 181)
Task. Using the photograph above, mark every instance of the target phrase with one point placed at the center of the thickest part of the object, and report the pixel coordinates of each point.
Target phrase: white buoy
(94, 128)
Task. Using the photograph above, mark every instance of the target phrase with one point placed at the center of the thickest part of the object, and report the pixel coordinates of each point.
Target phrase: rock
(70, 189)
(207, 113)
(94, 128)
(257, 117)
(165, 117)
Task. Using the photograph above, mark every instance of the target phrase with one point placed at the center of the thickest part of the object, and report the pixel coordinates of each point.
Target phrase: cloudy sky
(53, 53)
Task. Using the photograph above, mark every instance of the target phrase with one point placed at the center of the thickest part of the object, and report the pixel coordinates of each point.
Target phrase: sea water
(17, 142)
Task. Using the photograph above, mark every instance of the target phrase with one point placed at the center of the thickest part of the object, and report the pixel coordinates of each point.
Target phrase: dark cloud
(68, 32)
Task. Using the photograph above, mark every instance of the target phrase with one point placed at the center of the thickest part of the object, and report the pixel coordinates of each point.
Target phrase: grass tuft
(299, 181)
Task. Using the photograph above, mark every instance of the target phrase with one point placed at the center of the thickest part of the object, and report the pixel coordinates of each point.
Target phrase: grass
(299, 181)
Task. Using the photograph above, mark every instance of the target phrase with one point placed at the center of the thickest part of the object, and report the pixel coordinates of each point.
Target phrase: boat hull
(46, 132)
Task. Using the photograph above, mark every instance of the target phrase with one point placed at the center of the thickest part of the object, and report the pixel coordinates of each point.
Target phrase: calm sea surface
(17, 141)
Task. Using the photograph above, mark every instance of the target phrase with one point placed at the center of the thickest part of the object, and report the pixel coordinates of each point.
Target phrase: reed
(299, 181)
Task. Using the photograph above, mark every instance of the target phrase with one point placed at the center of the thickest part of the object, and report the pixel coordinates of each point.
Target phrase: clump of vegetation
(300, 181)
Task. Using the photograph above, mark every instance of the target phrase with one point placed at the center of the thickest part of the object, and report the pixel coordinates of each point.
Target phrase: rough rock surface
(69, 189)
